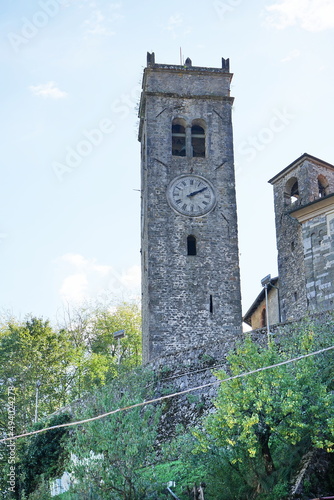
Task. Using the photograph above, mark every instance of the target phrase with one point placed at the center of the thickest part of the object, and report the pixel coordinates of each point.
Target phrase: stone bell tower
(190, 265)
(304, 216)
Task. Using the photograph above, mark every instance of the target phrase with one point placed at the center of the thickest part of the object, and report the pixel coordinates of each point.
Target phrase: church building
(189, 236)
(304, 213)
(304, 217)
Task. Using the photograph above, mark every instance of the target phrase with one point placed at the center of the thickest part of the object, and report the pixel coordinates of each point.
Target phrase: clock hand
(196, 192)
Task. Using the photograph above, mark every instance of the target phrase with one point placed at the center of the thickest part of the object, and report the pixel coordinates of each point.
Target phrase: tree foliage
(65, 362)
(43, 456)
(31, 353)
(250, 447)
(111, 453)
(100, 357)
(56, 366)
(282, 411)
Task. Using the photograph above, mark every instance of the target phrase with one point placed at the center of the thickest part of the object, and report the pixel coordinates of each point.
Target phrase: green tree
(273, 412)
(42, 456)
(33, 356)
(111, 453)
(99, 357)
(33, 353)
(125, 317)
(63, 364)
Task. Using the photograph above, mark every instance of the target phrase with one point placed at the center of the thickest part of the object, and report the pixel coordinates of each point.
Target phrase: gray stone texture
(305, 250)
(195, 368)
(319, 262)
(176, 287)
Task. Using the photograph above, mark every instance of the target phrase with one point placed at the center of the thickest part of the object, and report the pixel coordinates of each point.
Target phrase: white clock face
(191, 195)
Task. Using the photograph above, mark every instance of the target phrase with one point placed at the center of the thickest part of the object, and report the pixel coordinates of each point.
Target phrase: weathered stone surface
(305, 251)
(195, 367)
(187, 300)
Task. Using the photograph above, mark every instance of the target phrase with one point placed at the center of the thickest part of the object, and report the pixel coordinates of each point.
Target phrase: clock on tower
(191, 195)
(190, 264)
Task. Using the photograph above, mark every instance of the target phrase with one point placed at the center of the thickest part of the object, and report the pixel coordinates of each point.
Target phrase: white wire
(168, 396)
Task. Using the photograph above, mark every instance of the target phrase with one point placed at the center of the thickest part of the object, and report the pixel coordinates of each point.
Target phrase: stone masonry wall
(196, 367)
(290, 237)
(319, 262)
(188, 300)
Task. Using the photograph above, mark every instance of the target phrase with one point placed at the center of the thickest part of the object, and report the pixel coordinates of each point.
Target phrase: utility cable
(168, 396)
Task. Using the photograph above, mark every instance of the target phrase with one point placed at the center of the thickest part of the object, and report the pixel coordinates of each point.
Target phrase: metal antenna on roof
(181, 63)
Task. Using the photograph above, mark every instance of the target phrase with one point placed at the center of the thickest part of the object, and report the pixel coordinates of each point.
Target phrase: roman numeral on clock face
(191, 195)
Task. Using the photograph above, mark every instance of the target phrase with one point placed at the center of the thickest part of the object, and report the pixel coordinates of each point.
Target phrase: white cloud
(46, 90)
(95, 25)
(176, 26)
(74, 259)
(74, 288)
(100, 24)
(174, 21)
(311, 15)
(131, 277)
(83, 279)
(292, 55)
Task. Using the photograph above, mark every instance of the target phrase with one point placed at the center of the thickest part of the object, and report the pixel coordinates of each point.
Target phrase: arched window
(191, 245)
(322, 186)
(198, 139)
(291, 193)
(178, 137)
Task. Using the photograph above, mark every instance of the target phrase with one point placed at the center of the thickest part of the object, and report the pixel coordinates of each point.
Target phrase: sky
(70, 158)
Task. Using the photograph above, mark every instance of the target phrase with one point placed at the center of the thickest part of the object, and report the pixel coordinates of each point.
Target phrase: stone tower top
(183, 81)
(188, 64)
(303, 181)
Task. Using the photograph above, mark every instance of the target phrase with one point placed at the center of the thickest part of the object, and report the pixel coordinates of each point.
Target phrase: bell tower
(304, 216)
(189, 237)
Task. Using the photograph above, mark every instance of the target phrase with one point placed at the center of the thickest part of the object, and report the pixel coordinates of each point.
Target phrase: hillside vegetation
(270, 436)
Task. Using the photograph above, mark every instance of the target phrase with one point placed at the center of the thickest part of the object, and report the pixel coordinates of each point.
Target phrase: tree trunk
(266, 454)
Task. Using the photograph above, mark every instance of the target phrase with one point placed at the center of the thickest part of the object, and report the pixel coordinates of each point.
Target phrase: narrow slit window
(191, 245)
(211, 304)
(178, 139)
(198, 141)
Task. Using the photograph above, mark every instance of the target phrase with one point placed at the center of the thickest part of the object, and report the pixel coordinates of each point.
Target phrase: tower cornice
(299, 161)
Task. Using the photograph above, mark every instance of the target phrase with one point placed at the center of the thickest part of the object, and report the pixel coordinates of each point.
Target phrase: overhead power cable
(168, 396)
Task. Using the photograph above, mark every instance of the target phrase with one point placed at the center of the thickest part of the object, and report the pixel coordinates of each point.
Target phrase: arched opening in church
(198, 139)
(291, 193)
(178, 137)
(322, 186)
